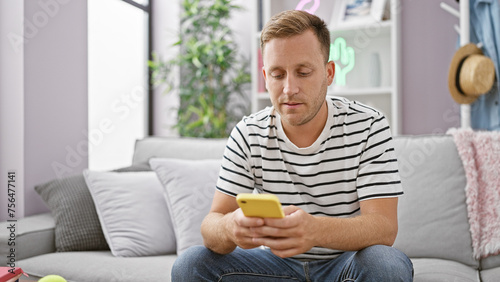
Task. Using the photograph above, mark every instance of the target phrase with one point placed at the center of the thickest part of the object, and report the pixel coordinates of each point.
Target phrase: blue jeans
(375, 263)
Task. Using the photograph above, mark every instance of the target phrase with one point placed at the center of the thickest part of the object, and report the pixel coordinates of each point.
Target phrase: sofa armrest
(27, 237)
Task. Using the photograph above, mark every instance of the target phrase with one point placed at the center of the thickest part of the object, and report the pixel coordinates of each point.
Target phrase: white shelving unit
(380, 38)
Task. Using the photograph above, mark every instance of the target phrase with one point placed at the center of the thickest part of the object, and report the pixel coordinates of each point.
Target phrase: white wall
(47, 99)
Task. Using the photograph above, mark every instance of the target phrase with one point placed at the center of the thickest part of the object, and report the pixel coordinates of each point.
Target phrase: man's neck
(305, 135)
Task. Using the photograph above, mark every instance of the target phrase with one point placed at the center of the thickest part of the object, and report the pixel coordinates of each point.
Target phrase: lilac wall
(50, 76)
(428, 44)
(55, 91)
(11, 104)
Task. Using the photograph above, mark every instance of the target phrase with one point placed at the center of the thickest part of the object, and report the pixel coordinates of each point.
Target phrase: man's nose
(291, 85)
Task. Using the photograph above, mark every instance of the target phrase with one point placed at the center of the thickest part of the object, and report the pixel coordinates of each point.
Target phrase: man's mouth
(292, 104)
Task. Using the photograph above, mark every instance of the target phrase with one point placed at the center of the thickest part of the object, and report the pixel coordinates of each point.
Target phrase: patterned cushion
(77, 224)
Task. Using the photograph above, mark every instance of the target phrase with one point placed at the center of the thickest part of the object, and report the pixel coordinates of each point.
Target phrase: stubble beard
(312, 113)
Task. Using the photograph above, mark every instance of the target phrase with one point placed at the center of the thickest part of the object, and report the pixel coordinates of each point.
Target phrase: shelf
(371, 29)
(360, 91)
(356, 26)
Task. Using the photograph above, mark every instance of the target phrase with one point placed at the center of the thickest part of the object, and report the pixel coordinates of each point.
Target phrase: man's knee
(387, 259)
(193, 258)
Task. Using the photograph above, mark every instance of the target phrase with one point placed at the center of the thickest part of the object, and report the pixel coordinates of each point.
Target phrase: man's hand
(287, 236)
(240, 229)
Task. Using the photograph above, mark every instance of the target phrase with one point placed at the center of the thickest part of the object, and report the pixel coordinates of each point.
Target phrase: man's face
(296, 77)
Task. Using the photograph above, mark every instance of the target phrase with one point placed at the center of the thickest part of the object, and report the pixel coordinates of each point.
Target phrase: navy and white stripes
(352, 160)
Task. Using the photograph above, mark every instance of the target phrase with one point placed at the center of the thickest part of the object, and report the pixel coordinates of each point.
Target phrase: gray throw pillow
(189, 187)
(77, 224)
(432, 213)
(141, 166)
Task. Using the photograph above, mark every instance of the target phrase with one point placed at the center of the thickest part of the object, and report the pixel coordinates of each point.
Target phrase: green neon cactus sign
(343, 55)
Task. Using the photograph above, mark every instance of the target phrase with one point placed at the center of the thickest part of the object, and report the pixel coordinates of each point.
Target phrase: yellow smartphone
(260, 205)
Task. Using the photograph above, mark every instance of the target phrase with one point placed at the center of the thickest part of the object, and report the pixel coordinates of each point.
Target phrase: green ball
(52, 278)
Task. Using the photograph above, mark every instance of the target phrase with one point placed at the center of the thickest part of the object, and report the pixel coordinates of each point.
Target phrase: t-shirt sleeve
(236, 173)
(378, 175)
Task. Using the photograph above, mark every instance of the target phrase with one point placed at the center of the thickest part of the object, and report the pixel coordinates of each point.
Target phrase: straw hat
(471, 74)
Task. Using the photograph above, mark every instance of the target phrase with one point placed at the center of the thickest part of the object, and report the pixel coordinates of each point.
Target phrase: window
(118, 35)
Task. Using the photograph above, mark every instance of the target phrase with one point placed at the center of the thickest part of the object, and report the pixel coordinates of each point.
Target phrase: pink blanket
(480, 154)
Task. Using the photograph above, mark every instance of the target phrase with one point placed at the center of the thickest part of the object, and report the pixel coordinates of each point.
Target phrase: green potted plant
(213, 77)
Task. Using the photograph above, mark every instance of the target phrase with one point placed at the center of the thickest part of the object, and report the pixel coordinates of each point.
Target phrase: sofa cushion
(490, 275)
(432, 212)
(189, 189)
(77, 225)
(140, 166)
(99, 266)
(490, 262)
(132, 212)
(438, 270)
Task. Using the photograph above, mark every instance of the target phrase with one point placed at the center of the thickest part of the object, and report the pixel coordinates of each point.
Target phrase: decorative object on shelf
(378, 10)
(356, 9)
(471, 74)
(311, 10)
(213, 78)
(357, 12)
(375, 71)
(344, 59)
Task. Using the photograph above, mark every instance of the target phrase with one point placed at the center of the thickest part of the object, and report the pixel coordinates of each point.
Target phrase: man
(329, 160)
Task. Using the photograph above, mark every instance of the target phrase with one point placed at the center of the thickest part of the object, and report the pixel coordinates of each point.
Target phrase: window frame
(148, 10)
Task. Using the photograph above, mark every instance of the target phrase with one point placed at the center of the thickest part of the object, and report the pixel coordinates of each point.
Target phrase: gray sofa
(433, 225)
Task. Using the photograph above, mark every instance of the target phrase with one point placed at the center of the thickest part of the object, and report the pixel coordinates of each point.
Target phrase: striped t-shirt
(352, 160)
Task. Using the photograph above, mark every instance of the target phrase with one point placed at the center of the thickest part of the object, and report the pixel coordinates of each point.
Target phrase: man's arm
(225, 227)
(299, 231)
(377, 225)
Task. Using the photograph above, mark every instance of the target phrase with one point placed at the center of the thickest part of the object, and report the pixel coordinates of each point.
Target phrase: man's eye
(304, 73)
(277, 76)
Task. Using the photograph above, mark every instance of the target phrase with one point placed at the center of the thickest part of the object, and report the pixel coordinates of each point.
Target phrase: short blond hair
(294, 22)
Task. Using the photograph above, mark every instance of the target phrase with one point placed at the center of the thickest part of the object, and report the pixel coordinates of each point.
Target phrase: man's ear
(330, 71)
(265, 77)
